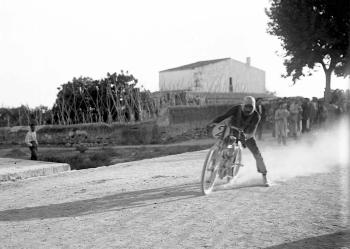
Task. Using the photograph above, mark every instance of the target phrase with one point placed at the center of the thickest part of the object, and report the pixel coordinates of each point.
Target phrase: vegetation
(312, 33)
(112, 99)
(23, 115)
(84, 100)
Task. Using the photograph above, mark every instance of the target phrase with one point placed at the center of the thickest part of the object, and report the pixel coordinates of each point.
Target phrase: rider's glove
(209, 127)
(243, 136)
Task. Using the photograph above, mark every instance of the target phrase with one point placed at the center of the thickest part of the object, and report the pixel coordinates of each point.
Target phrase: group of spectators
(291, 117)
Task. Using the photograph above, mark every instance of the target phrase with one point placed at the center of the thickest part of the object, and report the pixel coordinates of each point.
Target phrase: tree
(113, 98)
(312, 33)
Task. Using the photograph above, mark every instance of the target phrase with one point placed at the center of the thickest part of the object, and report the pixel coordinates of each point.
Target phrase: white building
(214, 76)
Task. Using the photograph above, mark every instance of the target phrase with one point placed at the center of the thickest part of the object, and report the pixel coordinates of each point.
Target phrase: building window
(231, 86)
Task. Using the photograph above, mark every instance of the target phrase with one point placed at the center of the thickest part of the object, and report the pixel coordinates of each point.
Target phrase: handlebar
(240, 136)
(237, 129)
(220, 132)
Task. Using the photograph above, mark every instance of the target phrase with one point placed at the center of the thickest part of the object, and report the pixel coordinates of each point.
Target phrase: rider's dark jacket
(248, 123)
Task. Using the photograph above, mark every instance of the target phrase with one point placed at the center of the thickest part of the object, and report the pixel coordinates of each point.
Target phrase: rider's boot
(229, 174)
(265, 181)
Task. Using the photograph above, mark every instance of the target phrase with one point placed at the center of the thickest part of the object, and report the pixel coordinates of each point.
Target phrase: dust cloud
(318, 151)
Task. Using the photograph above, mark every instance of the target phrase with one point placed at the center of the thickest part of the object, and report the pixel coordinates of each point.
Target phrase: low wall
(189, 122)
(196, 115)
(90, 134)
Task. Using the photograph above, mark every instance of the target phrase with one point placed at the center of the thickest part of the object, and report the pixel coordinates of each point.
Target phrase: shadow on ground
(114, 202)
(338, 240)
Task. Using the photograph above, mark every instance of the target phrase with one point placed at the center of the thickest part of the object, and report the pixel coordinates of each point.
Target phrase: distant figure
(337, 110)
(273, 109)
(322, 113)
(32, 142)
(281, 117)
(305, 116)
(313, 112)
(294, 118)
(261, 110)
(299, 104)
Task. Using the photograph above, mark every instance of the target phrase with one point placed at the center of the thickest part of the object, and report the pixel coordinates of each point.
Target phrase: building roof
(195, 65)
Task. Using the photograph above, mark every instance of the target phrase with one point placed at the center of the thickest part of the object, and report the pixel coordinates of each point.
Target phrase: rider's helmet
(248, 105)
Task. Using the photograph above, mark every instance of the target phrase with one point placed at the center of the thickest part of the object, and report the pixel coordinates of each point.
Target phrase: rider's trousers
(253, 147)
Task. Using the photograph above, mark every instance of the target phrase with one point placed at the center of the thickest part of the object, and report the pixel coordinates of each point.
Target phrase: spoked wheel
(233, 173)
(236, 169)
(210, 170)
(236, 164)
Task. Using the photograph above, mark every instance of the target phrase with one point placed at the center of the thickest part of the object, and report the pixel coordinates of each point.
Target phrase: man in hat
(246, 118)
(294, 118)
(32, 142)
(281, 123)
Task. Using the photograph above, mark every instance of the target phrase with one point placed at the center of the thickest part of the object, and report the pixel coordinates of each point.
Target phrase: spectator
(305, 116)
(32, 142)
(281, 116)
(335, 110)
(299, 104)
(322, 113)
(313, 112)
(294, 118)
(274, 106)
(260, 108)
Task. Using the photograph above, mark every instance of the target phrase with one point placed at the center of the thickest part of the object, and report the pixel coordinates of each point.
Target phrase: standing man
(322, 113)
(305, 116)
(313, 112)
(32, 142)
(294, 118)
(261, 110)
(281, 121)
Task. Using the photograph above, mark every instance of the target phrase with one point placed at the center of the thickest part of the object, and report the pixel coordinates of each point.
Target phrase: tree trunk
(327, 90)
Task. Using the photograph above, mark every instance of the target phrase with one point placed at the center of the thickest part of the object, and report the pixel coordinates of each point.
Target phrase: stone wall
(195, 115)
(90, 134)
(188, 122)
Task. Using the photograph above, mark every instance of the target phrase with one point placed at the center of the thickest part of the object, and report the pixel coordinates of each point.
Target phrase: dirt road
(156, 203)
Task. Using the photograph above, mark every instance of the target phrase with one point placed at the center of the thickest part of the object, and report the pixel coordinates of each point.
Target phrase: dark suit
(34, 151)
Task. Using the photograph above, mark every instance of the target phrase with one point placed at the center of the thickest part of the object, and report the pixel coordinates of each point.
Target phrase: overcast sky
(44, 44)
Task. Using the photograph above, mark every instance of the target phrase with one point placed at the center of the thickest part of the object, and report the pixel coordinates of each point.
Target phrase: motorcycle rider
(246, 117)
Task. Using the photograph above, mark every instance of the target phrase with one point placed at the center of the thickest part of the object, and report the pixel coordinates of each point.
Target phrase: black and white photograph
(187, 124)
